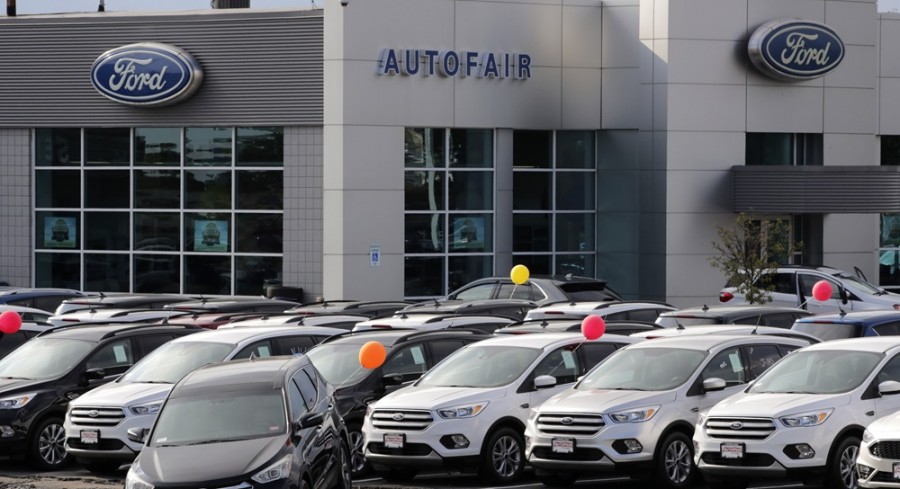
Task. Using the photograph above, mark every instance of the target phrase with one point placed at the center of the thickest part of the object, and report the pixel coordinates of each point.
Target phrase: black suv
(542, 289)
(409, 355)
(38, 379)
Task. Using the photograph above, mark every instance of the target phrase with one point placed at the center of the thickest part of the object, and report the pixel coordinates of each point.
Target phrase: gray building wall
(15, 207)
(303, 217)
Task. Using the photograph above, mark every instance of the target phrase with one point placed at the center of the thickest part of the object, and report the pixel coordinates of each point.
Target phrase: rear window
(828, 331)
(589, 291)
(675, 321)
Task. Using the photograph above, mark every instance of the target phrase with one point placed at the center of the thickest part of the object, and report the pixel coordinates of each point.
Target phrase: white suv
(804, 418)
(609, 310)
(636, 411)
(97, 423)
(878, 463)
(469, 411)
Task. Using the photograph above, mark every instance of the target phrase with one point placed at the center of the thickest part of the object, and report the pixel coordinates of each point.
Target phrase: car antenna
(165, 320)
(758, 319)
(102, 295)
(544, 324)
(678, 324)
(704, 308)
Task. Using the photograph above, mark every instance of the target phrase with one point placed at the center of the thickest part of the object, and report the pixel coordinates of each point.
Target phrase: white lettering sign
(128, 78)
(797, 52)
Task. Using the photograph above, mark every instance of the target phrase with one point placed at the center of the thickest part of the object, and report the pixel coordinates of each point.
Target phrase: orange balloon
(372, 355)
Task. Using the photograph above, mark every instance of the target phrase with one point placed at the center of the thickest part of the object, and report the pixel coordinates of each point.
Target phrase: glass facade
(889, 238)
(175, 210)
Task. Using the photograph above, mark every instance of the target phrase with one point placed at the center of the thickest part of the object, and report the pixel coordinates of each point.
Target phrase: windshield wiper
(208, 442)
(16, 378)
(151, 382)
(620, 389)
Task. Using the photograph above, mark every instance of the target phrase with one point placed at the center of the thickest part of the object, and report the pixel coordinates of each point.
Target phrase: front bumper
(113, 442)
(882, 473)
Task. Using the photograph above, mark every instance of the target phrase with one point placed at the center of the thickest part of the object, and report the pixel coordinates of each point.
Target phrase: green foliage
(749, 253)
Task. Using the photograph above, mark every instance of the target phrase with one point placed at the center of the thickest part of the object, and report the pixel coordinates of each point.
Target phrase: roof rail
(426, 332)
(148, 325)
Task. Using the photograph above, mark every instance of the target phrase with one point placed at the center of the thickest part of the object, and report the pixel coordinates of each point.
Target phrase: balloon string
(563, 360)
(511, 294)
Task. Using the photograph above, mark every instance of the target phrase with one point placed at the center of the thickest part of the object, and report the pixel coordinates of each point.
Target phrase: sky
(24, 7)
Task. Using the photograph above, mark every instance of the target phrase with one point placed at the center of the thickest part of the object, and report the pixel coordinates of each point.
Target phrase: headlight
(279, 470)
(634, 415)
(17, 401)
(142, 409)
(806, 419)
(867, 437)
(467, 411)
(133, 481)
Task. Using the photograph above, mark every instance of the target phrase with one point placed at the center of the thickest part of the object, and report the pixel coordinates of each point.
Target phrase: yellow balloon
(519, 274)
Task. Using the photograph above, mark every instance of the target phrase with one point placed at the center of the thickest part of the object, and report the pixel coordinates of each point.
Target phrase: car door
(294, 344)
(257, 349)
(563, 364)
(833, 304)
(728, 365)
(405, 364)
(760, 358)
(315, 441)
(885, 405)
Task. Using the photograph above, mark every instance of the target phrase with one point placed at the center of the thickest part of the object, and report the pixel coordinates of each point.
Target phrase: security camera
(344, 3)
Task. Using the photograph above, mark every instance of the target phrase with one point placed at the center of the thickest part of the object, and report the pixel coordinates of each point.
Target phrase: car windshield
(675, 321)
(818, 372)
(644, 369)
(481, 366)
(172, 361)
(826, 331)
(220, 417)
(44, 358)
(857, 284)
(338, 363)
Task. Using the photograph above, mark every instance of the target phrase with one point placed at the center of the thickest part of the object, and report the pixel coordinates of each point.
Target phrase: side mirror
(310, 419)
(94, 374)
(889, 387)
(392, 379)
(843, 293)
(138, 435)
(713, 384)
(544, 382)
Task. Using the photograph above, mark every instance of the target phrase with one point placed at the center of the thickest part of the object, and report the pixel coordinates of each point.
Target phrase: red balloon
(822, 290)
(10, 322)
(593, 327)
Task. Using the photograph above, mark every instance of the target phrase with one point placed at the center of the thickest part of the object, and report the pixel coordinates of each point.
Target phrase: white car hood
(121, 395)
(774, 405)
(603, 401)
(886, 428)
(415, 397)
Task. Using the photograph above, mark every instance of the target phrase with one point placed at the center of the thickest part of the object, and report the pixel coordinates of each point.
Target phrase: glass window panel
(537, 264)
(424, 233)
(106, 272)
(254, 274)
(471, 190)
(207, 275)
(464, 269)
(106, 231)
(157, 231)
(471, 233)
(532, 191)
(423, 276)
(107, 145)
(531, 232)
(207, 189)
(423, 147)
(575, 232)
(57, 230)
(157, 189)
(582, 265)
(57, 270)
(472, 148)
(258, 189)
(260, 146)
(575, 149)
(107, 189)
(57, 147)
(575, 191)
(532, 149)
(424, 191)
(207, 146)
(58, 188)
(890, 150)
(769, 148)
(890, 230)
(259, 233)
(155, 274)
(157, 146)
(207, 232)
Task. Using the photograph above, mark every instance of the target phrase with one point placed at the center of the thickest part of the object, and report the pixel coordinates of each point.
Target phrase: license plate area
(896, 470)
(394, 440)
(90, 437)
(562, 445)
(732, 451)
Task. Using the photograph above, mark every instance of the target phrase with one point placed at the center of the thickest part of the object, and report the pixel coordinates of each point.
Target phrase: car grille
(579, 455)
(401, 420)
(748, 460)
(570, 424)
(884, 477)
(739, 428)
(413, 449)
(105, 444)
(885, 449)
(96, 416)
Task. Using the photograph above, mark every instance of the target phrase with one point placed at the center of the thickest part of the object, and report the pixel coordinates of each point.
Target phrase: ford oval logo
(398, 417)
(93, 413)
(737, 425)
(792, 49)
(567, 420)
(146, 74)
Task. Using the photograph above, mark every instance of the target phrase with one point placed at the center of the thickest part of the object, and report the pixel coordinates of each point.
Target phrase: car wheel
(346, 471)
(842, 466)
(358, 465)
(101, 467)
(556, 479)
(398, 474)
(503, 457)
(47, 445)
(675, 461)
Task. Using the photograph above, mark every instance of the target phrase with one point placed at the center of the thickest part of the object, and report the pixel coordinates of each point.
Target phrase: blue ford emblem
(737, 425)
(398, 417)
(146, 74)
(566, 420)
(93, 413)
(791, 49)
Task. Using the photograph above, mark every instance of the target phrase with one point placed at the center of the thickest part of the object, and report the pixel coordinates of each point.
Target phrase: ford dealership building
(401, 148)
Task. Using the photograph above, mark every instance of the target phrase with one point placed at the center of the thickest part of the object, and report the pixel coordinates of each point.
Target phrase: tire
(503, 456)
(674, 464)
(398, 474)
(101, 467)
(345, 477)
(358, 465)
(46, 445)
(556, 479)
(841, 473)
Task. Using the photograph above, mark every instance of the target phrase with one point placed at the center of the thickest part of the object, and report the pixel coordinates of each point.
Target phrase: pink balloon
(822, 290)
(10, 322)
(593, 327)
